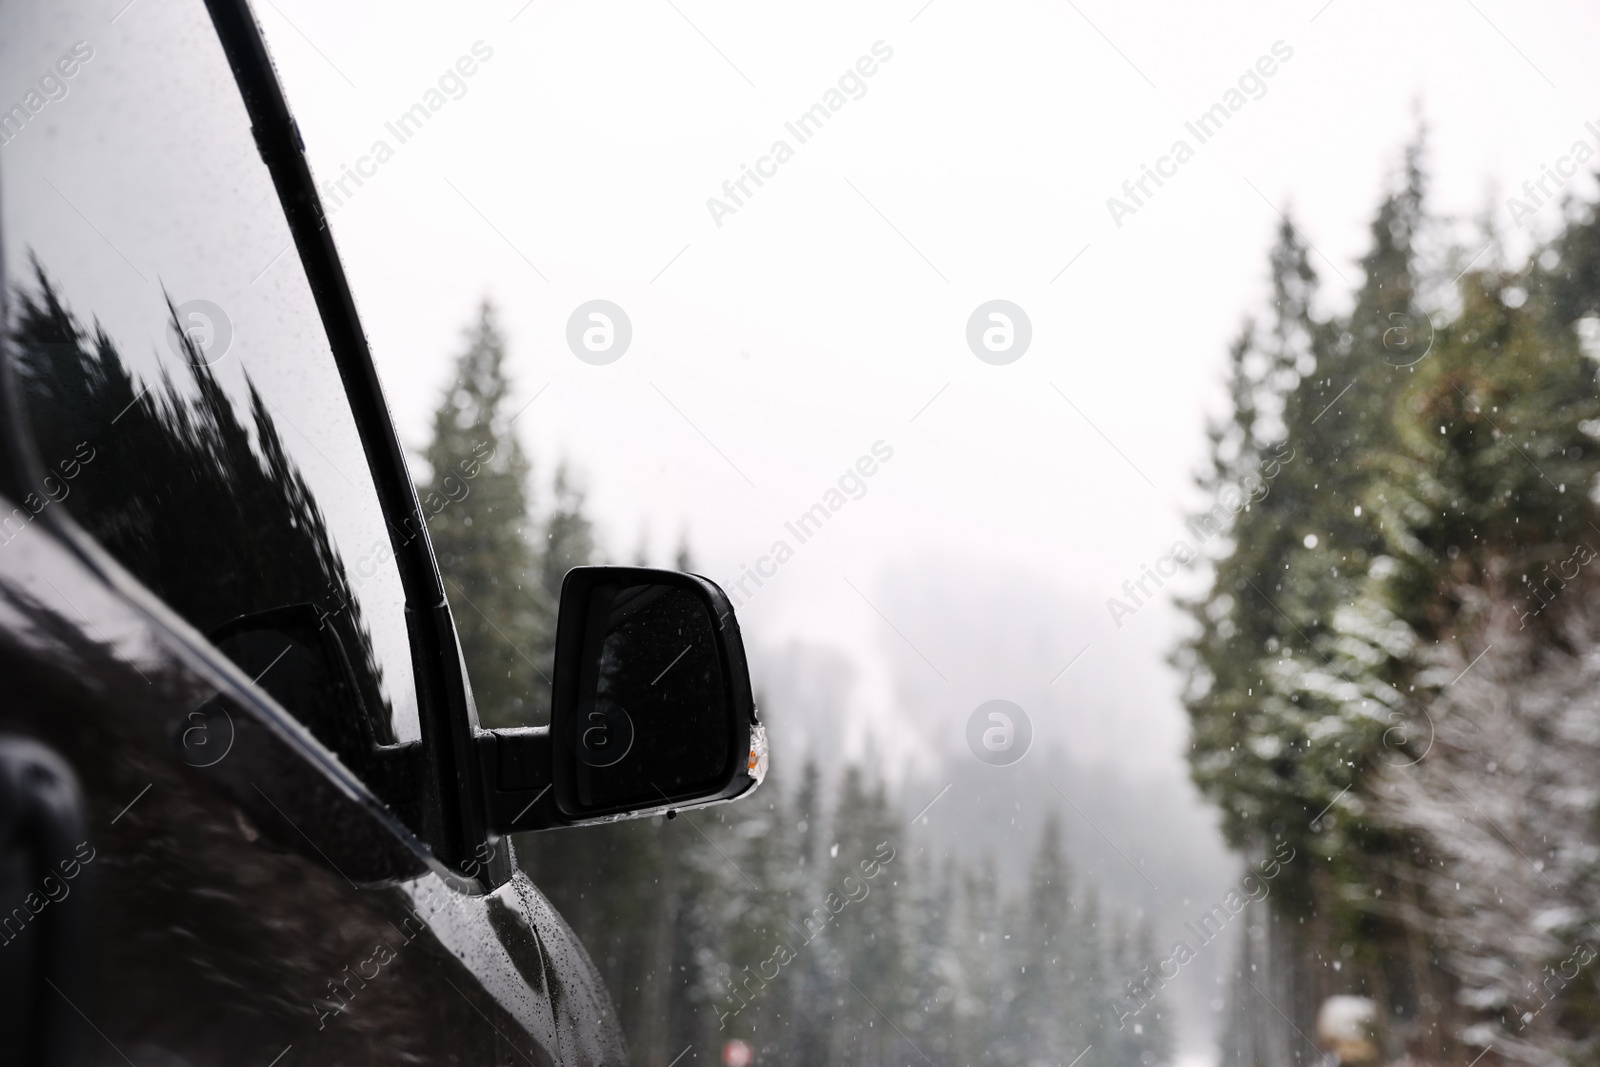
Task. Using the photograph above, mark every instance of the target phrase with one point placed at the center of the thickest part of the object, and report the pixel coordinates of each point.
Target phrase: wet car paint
(208, 940)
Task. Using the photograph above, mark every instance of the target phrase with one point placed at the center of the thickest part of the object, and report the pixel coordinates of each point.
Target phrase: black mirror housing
(652, 709)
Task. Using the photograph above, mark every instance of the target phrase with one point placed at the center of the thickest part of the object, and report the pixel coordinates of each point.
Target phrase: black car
(247, 812)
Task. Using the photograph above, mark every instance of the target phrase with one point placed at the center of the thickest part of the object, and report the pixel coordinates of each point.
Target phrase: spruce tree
(1094, 978)
(1152, 1038)
(932, 967)
(568, 532)
(477, 503)
(866, 938)
(1043, 1013)
(813, 981)
(1254, 476)
(1283, 726)
(1264, 670)
(1441, 478)
(568, 542)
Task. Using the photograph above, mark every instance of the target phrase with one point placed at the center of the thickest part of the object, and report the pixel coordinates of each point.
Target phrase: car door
(235, 709)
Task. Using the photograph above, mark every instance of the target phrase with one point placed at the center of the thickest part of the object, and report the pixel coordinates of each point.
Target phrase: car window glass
(178, 383)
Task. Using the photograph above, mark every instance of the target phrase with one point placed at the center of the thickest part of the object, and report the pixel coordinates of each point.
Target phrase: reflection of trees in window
(216, 526)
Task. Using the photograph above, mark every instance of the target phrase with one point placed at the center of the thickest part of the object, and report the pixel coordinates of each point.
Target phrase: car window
(179, 388)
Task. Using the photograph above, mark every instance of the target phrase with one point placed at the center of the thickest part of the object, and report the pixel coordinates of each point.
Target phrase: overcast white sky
(768, 354)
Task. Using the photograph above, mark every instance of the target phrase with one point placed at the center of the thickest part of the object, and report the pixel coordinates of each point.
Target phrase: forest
(1390, 676)
(757, 921)
(1392, 666)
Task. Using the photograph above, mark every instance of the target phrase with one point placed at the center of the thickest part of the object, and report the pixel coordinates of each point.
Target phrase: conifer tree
(1441, 479)
(981, 996)
(568, 542)
(759, 939)
(932, 966)
(1094, 975)
(866, 937)
(813, 983)
(1043, 1013)
(478, 507)
(1262, 667)
(1268, 681)
(1252, 477)
(1152, 1037)
(568, 532)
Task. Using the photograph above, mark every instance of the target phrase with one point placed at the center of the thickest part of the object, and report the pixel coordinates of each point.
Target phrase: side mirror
(651, 711)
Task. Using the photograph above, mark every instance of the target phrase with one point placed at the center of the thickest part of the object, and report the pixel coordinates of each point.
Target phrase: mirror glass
(652, 716)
